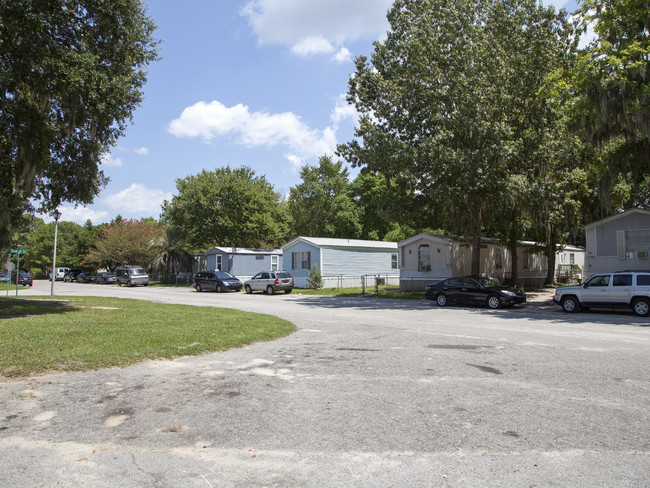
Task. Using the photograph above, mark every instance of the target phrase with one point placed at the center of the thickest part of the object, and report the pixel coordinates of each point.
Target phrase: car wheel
(219, 289)
(198, 288)
(493, 302)
(570, 304)
(249, 290)
(441, 300)
(270, 290)
(641, 307)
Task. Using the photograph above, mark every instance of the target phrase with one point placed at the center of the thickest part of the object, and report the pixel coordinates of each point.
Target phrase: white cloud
(342, 111)
(141, 151)
(298, 23)
(558, 4)
(253, 129)
(137, 200)
(78, 215)
(343, 55)
(312, 45)
(109, 160)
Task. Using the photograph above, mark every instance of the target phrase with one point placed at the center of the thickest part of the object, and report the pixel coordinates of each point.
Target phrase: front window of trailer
(424, 258)
(300, 260)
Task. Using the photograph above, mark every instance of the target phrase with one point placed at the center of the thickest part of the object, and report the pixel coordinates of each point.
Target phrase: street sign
(19, 251)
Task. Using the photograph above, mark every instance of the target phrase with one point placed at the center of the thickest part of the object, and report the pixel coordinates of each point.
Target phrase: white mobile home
(428, 258)
(342, 262)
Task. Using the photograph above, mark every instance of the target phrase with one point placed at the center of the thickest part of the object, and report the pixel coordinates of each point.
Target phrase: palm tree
(170, 254)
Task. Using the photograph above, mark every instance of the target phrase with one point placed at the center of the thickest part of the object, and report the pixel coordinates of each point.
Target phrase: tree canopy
(448, 101)
(125, 242)
(71, 75)
(314, 203)
(227, 207)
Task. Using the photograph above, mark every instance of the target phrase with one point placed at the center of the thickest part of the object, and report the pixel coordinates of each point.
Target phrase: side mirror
(585, 285)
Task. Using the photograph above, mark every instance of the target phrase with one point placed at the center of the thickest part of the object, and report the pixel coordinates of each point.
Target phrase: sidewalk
(540, 296)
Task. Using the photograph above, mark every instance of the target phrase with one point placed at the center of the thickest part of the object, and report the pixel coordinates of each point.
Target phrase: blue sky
(258, 83)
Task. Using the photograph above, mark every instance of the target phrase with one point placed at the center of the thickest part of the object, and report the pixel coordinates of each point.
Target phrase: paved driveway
(367, 393)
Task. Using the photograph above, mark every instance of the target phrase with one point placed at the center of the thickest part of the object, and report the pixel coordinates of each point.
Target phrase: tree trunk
(514, 264)
(551, 246)
(476, 243)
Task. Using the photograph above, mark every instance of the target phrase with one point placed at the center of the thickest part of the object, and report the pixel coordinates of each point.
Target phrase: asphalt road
(367, 393)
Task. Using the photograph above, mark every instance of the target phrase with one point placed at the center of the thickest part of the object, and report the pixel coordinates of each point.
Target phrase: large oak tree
(446, 102)
(71, 75)
(227, 207)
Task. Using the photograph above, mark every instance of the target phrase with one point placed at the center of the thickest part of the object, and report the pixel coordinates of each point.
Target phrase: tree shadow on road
(529, 311)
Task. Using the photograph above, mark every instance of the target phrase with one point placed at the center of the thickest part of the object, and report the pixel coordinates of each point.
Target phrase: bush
(315, 278)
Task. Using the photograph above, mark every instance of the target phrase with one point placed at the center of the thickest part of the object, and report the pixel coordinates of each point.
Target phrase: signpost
(18, 252)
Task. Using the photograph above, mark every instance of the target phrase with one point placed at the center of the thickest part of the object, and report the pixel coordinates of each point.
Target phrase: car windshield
(137, 271)
(284, 275)
(488, 283)
(222, 275)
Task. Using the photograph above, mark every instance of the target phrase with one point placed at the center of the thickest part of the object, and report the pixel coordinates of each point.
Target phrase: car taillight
(277, 281)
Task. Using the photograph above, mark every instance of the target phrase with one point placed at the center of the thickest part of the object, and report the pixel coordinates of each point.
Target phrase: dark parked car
(105, 277)
(4, 277)
(215, 281)
(24, 278)
(85, 278)
(270, 282)
(468, 290)
(71, 274)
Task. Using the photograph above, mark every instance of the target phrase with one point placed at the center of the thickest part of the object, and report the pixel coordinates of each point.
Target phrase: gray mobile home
(620, 242)
(342, 262)
(242, 262)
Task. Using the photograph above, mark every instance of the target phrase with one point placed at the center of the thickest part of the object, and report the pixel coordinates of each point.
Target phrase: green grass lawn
(83, 333)
(370, 292)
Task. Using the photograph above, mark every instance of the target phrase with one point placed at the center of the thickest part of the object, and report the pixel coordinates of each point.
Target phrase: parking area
(368, 392)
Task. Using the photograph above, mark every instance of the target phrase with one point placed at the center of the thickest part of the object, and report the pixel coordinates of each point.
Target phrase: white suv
(623, 289)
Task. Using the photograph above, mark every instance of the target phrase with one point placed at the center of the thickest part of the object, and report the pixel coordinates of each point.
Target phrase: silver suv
(623, 290)
(270, 282)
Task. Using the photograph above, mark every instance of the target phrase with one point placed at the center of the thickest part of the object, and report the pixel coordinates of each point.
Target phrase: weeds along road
(367, 392)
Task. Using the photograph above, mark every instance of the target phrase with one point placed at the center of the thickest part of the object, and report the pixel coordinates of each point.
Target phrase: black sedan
(215, 281)
(105, 277)
(469, 290)
(24, 278)
(85, 278)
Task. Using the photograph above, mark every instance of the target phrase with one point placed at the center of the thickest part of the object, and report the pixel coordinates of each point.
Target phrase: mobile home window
(393, 261)
(274, 263)
(300, 260)
(424, 258)
(219, 262)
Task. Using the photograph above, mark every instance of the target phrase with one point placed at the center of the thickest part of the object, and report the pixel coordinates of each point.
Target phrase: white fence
(368, 282)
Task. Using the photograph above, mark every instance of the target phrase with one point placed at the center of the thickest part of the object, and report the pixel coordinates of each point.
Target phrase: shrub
(315, 278)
